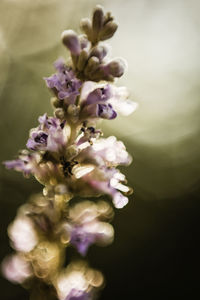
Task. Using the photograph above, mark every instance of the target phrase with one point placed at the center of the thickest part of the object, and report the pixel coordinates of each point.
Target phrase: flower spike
(69, 156)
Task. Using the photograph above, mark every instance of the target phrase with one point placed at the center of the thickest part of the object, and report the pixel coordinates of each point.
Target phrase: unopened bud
(71, 41)
(115, 68)
(98, 19)
(83, 41)
(93, 64)
(82, 60)
(86, 26)
(99, 51)
(73, 110)
(59, 113)
(108, 31)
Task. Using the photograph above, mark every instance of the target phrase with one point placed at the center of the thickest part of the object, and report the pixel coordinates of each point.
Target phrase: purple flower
(111, 182)
(116, 67)
(48, 136)
(86, 227)
(96, 103)
(26, 163)
(105, 101)
(64, 82)
(73, 283)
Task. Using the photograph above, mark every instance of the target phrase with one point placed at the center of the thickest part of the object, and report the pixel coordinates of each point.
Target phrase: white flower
(16, 269)
(22, 234)
(111, 151)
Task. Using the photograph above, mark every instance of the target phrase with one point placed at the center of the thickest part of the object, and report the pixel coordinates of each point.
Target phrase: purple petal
(52, 81)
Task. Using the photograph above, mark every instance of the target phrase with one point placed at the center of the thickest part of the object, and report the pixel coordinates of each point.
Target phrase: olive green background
(155, 250)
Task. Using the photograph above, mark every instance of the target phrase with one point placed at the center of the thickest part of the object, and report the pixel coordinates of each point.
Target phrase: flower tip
(71, 41)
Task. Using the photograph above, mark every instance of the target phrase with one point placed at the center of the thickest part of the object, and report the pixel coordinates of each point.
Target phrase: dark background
(155, 252)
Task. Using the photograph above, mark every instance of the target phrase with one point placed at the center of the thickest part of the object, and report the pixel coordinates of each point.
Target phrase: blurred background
(155, 252)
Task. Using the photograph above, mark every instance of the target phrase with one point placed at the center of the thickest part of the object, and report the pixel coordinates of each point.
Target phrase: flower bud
(59, 113)
(73, 110)
(108, 31)
(71, 41)
(99, 51)
(82, 60)
(98, 18)
(86, 26)
(93, 64)
(84, 43)
(115, 68)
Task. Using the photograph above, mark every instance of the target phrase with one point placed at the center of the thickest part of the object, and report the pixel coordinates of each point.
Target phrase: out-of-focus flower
(78, 281)
(110, 152)
(64, 83)
(46, 259)
(23, 234)
(16, 268)
(27, 162)
(86, 226)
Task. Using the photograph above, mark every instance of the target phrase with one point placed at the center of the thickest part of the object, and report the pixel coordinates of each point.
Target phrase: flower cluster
(67, 154)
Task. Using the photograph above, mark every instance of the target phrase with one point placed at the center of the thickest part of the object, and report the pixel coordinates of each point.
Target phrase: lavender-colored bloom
(26, 162)
(64, 82)
(37, 139)
(48, 136)
(86, 226)
(59, 65)
(105, 101)
(96, 104)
